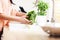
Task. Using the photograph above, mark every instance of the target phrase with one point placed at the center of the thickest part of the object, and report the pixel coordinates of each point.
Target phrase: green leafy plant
(42, 7)
(31, 16)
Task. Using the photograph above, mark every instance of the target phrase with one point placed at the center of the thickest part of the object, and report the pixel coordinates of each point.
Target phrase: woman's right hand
(25, 21)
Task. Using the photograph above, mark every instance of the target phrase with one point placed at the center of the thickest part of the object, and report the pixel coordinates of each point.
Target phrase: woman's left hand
(24, 16)
(20, 14)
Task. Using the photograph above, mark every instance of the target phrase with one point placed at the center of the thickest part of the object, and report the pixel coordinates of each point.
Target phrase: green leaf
(42, 7)
(31, 16)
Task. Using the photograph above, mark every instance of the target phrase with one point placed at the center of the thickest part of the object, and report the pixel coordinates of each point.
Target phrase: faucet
(52, 19)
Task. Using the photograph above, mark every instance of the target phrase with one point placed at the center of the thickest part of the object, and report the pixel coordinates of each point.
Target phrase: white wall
(26, 4)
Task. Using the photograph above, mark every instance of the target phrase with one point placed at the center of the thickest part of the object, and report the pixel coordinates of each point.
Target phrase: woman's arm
(14, 18)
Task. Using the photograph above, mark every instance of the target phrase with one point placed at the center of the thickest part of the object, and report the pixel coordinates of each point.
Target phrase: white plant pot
(41, 20)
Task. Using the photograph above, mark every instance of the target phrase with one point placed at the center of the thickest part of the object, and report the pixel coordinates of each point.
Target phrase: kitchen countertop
(53, 31)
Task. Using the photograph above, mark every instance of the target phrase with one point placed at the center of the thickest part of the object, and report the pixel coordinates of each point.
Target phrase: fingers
(20, 14)
(28, 21)
(24, 16)
(25, 21)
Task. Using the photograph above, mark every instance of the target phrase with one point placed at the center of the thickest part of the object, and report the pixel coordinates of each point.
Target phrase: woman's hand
(25, 21)
(20, 14)
(24, 16)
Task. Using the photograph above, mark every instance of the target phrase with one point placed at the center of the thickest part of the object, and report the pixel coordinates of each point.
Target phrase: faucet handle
(52, 20)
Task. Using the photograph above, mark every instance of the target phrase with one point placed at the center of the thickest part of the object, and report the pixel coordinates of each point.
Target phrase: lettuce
(31, 16)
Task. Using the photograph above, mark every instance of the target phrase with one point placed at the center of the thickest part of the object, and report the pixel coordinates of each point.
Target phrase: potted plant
(42, 12)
